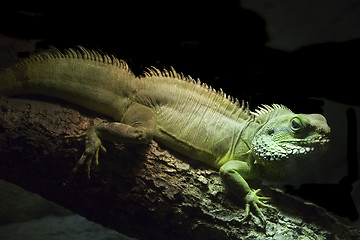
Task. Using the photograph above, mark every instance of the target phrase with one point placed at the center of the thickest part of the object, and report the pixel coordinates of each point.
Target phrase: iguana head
(285, 136)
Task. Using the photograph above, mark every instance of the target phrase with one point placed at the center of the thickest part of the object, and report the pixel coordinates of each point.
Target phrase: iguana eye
(296, 124)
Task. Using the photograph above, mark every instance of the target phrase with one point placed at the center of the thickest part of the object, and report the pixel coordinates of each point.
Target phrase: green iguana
(176, 110)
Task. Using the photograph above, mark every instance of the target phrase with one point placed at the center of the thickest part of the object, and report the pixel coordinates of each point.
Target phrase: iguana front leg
(233, 174)
(138, 125)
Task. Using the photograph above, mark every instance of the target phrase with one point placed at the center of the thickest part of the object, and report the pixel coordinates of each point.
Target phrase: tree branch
(139, 190)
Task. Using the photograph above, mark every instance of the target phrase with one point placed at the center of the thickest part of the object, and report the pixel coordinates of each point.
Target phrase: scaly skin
(183, 114)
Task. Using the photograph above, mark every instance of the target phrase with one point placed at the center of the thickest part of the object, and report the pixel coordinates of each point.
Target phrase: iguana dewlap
(181, 113)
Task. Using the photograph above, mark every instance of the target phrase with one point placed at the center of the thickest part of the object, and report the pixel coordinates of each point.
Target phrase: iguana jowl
(183, 114)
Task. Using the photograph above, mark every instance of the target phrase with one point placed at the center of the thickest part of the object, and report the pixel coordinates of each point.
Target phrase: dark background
(220, 42)
(230, 47)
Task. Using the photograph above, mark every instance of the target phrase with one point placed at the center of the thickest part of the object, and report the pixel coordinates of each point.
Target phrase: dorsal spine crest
(79, 53)
(265, 112)
(152, 72)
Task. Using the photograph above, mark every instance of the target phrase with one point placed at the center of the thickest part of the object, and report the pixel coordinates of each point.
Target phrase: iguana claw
(91, 153)
(253, 199)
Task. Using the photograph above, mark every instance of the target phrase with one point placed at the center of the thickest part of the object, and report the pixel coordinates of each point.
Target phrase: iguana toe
(90, 155)
(252, 199)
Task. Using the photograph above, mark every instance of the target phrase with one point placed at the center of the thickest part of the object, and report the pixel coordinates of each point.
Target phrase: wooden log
(143, 191)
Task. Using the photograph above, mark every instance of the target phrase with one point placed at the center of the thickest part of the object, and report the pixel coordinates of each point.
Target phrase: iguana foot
(145, 125)
(233, 173)
(93, 145)
(256, 201)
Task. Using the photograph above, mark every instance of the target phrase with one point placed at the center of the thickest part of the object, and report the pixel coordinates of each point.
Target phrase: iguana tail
(88, 78)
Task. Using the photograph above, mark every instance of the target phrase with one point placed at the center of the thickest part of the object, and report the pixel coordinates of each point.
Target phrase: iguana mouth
(319, 141)
(303, 146)
(286, 149)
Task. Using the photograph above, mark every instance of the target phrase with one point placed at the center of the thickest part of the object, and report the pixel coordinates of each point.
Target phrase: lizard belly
(184, 147)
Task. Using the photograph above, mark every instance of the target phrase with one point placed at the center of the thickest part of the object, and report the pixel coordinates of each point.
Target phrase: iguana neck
(243, 140)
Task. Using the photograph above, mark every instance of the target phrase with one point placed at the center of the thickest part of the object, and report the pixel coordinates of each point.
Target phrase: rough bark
(143, 191)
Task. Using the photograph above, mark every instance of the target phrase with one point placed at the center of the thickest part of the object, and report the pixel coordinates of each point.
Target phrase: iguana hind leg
(233, 174)
(138, 125)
